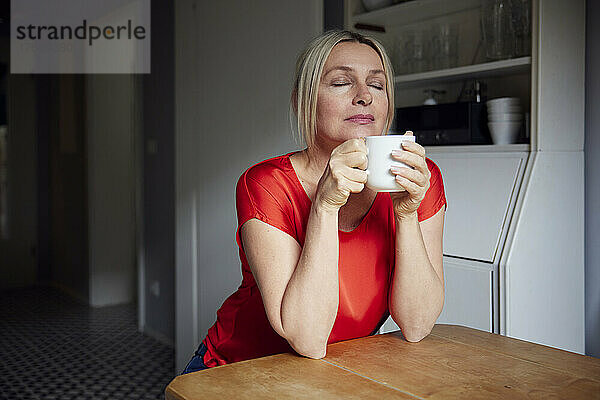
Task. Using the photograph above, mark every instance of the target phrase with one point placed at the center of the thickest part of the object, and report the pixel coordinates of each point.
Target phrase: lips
(361, 119)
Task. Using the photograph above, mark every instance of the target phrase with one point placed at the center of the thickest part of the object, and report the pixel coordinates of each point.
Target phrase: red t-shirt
(271, 192)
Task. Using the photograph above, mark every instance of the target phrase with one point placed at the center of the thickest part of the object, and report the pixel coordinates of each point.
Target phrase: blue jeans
(197, 361)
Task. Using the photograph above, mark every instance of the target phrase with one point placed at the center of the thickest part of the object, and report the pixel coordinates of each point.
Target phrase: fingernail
(396, 152)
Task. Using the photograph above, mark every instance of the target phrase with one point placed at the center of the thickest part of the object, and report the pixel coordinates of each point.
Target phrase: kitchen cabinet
(469, 301)
(472, 301)
(481, 189)
(513, 239)
(481, 185)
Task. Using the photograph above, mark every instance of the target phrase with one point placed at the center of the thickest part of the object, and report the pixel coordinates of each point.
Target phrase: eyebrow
(345, 68)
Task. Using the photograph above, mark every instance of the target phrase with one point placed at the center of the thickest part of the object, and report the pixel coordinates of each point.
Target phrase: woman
(324, 258)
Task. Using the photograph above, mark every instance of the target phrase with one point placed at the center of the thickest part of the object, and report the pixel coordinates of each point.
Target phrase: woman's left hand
(415, 180)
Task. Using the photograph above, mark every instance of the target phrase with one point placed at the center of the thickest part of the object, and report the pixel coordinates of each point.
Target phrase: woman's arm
(417, 292)
(300, 286)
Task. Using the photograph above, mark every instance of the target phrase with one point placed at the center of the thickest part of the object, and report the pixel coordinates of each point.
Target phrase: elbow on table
(311, 350)
(315, 354)
(415, 335)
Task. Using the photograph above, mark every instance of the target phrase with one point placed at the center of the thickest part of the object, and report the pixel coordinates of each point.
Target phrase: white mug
(379, 153)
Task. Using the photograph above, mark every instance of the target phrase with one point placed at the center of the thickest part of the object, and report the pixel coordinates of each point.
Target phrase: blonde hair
(309, 69)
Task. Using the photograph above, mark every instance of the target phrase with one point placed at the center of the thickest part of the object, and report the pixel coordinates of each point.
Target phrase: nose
(363, 96)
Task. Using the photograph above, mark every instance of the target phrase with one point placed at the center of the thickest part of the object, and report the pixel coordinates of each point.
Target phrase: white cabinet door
(481, 191)
(468, 299)
(545, 268)
(469, 295)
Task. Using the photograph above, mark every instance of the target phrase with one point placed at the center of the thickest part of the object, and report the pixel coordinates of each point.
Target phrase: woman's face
(352, 100)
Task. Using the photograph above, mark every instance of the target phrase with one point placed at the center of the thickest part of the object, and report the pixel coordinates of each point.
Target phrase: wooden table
(453, 362)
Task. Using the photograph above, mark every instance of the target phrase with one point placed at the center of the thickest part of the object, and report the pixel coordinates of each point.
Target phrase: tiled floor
(52, 347)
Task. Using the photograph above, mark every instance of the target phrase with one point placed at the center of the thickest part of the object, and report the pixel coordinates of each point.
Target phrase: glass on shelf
(426, 48)
(418, 50)
(506, 28)
(400, 58)
(521, 24)
(411, 51)
(444, 46)
(496, 28)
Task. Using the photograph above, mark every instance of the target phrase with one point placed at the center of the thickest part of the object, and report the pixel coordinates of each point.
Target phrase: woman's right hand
(345, 173)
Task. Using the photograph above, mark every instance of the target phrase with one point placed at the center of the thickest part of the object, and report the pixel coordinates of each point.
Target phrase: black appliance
(445, 124)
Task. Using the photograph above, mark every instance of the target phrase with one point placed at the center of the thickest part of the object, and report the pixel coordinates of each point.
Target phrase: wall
(67, 187)
(45, 109)
(111, 188)
(234, 69)
(18, 262)
(159, 179)
(592, 177)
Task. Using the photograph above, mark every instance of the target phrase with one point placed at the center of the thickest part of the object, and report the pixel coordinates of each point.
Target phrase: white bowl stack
(505, 118)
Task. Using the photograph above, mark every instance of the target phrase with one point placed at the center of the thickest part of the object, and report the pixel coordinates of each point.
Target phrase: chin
(366, 132)
(343, 133)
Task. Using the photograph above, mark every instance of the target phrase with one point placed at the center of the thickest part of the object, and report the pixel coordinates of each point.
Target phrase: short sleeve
(259, 197)
(435, 197)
